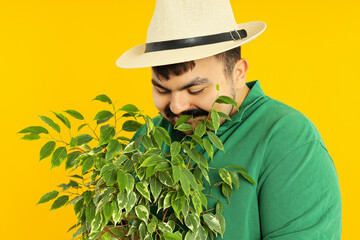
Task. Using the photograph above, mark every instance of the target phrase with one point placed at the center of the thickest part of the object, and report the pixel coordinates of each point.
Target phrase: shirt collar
(255, 95)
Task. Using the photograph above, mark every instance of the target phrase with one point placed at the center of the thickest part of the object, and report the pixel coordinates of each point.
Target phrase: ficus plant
(130, 189)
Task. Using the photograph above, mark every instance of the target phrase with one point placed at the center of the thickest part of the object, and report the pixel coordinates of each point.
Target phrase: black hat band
(196, 41)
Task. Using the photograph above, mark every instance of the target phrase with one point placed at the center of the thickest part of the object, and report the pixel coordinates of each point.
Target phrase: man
(194, 45)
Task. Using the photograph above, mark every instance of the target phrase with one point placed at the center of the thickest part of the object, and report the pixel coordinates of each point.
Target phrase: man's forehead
(181, 85)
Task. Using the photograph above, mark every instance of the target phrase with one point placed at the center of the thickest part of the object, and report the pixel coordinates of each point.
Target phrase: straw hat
(185, 30)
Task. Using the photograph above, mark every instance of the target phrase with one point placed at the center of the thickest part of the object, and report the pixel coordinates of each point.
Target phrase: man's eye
(197, 92)
(163, 92)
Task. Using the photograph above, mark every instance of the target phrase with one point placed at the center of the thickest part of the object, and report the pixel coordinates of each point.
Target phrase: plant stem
(163, 219)
(97, 138)
(113, 105)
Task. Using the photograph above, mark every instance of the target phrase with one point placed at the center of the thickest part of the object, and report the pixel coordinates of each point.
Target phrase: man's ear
(239, 73)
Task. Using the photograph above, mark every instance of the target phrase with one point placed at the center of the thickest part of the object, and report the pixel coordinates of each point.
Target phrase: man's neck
(240, 97)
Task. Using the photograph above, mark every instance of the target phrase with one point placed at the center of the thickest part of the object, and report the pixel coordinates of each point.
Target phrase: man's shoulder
(287, 128)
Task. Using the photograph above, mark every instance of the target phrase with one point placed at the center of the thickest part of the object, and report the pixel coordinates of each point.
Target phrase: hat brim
(137, 58)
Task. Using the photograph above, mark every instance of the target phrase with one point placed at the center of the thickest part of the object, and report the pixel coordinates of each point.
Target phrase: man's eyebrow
(193, 82)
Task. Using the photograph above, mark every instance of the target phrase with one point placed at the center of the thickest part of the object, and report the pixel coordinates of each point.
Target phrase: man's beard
(192, 112)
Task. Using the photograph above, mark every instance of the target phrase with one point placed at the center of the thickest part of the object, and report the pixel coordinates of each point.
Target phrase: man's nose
(179, 103)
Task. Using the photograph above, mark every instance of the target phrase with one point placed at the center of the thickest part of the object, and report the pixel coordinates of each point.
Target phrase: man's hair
(229, 58)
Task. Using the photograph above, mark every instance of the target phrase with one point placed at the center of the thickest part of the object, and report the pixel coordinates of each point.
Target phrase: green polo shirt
(297, 195)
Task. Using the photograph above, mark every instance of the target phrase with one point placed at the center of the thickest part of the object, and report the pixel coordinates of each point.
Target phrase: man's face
(194, 92)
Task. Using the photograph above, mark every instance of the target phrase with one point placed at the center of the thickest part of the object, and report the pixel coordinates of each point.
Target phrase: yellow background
(58, 55)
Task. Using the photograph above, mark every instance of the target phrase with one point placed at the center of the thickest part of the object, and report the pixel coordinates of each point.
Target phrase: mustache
(192, 112)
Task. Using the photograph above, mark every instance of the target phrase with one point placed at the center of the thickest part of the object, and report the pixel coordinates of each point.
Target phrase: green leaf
(31, 136)
(215, 119)
(164, 227)
(171, 236)
(210, 125)
(247, 177)
(95, 225)
(225, 175)
(134, 227)
(237, 167)
(130, 183)
(90, 212)
(178, 203)
(164, 135)
(200, 130)
(185, 210)
(50, 123)
(73, 142)
(117, 232)
(83, 139)
(131, 126)
(225, 116)
(235, 179)
(117, 213)
(142, 212)
(152, 225)
(48, 196)
(71, 158)
(208, 147)
(152, 161)
(121, 180)
(142, 188)
(47, 149)
(149, 124)
(176, 170)
(34, 130)
(226, 190)
(114, 148)
(175, 149)
(108, 211)
(185, 183)
(63, 119)
(217, 87)
(103, 98)
(197, 139)
(88, 196)
(192, 222)
(106, 236)
(131, 202)
(129, 108)
(215, 140)
(226, 100)
(81, 126)
(122, 200)
(59, 202)
(103, 116)
(120, 160)
(58, 157)
(142, 230)
(78, 232)
(218, 208)
(106, 134)
(109, 173)
(167, 200)
(75, 114)
(87, 164)
(191, 179)
(184, 127)
(197, 203)
(155, 187)
(212, 222)
(166, 179)
(222, 223)
(182, 119)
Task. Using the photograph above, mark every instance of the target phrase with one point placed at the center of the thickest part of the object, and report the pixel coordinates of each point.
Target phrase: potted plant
(124, 188)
